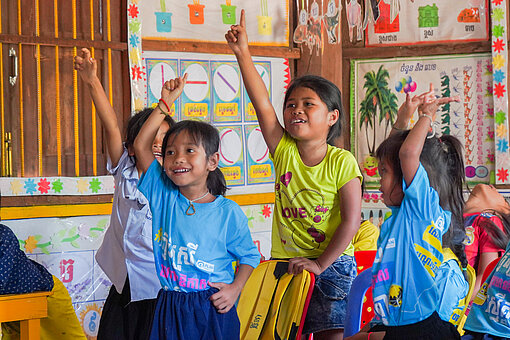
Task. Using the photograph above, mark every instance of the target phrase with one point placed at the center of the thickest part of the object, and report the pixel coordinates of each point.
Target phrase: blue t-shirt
(409, 253)
(490, 311)
(452, 288)
(192, 250)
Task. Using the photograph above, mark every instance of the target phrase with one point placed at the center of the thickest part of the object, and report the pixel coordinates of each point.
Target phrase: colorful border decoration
(138, 74)
(500, 93)
(59, 186)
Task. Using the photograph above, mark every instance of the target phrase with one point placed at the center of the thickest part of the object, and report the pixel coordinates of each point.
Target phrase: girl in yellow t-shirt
(318, 191)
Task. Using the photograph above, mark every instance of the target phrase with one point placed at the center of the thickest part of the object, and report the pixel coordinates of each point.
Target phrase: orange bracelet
(167, 107)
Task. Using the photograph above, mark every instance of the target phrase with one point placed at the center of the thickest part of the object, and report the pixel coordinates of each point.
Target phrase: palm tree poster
(379, 87)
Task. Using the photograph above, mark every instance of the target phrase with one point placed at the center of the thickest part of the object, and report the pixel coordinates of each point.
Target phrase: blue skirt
(180, 316)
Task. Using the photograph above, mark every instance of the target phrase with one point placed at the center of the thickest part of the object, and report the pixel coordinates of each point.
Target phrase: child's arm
(87, 68)
(228, 293)
(350, 210)
(269, 125)
(410, 150)
(171, 90)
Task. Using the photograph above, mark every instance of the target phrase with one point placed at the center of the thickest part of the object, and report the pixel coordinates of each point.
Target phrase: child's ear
(333, 117)
(213, 161)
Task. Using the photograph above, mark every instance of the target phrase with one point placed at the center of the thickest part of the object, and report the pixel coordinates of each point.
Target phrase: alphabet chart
(215, 93)
(471, 120)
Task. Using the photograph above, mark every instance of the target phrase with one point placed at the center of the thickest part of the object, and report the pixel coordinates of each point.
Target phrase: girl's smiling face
(392, 193)
(187, 164)
(306, 116)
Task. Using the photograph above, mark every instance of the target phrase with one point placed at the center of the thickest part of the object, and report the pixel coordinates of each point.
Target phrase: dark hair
(136, 122)
(442, 159)
(328, 93)
(206, 135)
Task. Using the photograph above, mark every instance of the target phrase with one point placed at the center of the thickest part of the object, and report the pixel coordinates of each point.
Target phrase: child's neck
(197, 194)
(312, 152)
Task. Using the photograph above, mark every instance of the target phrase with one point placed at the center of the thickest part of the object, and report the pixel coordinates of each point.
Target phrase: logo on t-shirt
(395, 298)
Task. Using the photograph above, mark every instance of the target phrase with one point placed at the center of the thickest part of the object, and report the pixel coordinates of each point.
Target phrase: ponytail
(216, 182)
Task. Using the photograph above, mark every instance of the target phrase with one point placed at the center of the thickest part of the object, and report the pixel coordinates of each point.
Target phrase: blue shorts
(192, 315)
(328, 304)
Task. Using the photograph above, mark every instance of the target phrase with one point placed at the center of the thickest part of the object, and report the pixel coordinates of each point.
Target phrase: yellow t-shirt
(366, 237)
(307, 209)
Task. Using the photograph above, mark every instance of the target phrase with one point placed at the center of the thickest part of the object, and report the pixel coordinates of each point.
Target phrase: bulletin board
(215, 93)
(200, 20)
(471, 120)
(428, 21)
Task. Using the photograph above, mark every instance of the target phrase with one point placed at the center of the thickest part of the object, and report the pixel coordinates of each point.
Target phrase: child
(126, 252)
(197, 232)
(20, 275)
(489, 317)
(421, 182)
(318, 191)
(487, 221)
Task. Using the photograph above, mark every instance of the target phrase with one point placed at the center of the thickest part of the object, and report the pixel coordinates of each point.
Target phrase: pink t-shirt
(478, 240)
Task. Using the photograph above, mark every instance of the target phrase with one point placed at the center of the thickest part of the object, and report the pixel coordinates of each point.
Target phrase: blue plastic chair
(359, 288)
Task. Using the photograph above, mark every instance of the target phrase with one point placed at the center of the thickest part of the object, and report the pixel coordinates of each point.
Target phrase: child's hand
(86, 66)
(298, 264)
(236, 37)
(407, 109)
(429, 108)
(172, 89)
(226, 297)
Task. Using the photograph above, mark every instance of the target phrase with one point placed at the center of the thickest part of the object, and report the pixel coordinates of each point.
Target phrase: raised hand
(86, 66)
(407, 109)
(172, 89)
(236, 37)
(430, 107)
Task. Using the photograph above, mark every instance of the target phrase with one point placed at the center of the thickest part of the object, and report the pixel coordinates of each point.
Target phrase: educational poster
(226, 91)
(264, 69)
(231, 154)
(260, 167)
(379, 87)
(195, 98)
(200, 20)
(215, 93)
(161, 71)
(427, 21)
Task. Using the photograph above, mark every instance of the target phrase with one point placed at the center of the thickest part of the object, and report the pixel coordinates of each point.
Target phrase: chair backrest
(365, 259)
(273, 304)
(359, 287)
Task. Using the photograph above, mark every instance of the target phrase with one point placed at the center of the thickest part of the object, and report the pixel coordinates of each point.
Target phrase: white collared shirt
(127, 244)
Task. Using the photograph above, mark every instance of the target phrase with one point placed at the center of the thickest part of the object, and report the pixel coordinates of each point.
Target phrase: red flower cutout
(136, 73)
(497, 2)
(133, 11)
(499, 45)
(499, 90)
(44, 186)
(502, 175)
(266, 211)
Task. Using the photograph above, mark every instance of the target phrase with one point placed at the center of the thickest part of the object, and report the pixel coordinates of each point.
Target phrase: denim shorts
(328, 305)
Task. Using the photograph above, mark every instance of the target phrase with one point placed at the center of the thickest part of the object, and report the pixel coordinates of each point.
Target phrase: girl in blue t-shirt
(125, 254)
(421, 182)
(197, 233)
(318, 186)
